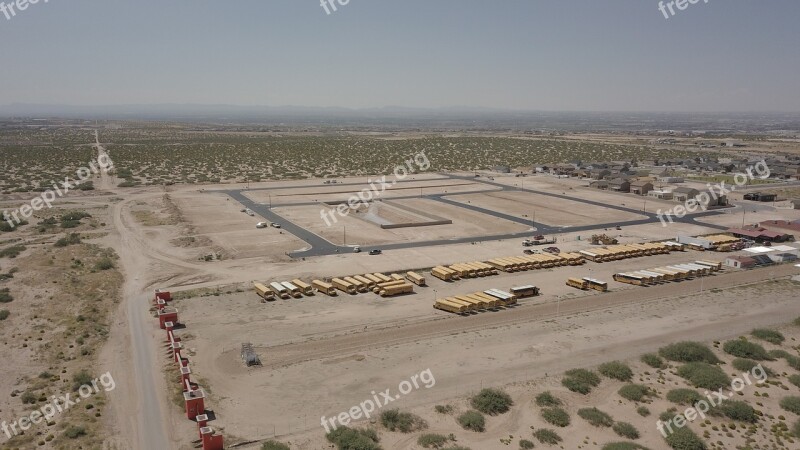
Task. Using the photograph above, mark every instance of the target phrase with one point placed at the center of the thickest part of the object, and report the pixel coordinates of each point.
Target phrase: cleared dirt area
(337, 193)
(218, 221)
(363, 232)
(318, 370)
(548, 210)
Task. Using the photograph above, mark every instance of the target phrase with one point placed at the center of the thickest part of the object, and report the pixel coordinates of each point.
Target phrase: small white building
(661, 195)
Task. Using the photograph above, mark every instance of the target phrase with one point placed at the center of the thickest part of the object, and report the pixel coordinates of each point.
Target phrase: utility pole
(345, 234)
(744, 210)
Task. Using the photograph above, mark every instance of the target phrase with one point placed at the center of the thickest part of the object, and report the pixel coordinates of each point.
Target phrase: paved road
(319, 246)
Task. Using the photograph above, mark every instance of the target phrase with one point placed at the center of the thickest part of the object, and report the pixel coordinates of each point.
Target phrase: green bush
(525, 444)
(654, 361)
(794, 362)
(492, 401)
(432, 440)
(796, 428)
(5, 296)
(745, 349)
(556, 416)
(704, 375)
(795, 380)
(104, 264)
(643, 411)
(616, 370)
(81, 378)
(546, 399)
(12, 252)
(71, 239)
(747, 365)
(624, 446)
(685, 439)
(686, 397)
(737, 410)
(688, 351)
(545, 436)
(273, 445)
(625, 430)
(472, 420)
(353, 439)
(771, 336)
(4, 314)
(778, 354)
(596, 417)
(580, 380)
(74, 432)
(576, 385)
(791, 404)
(586, 376)
(456, 447)
(443, 409)
(635, 392)
(404, 422)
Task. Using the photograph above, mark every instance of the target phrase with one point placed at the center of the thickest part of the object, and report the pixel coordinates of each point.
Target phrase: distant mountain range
(400, 117)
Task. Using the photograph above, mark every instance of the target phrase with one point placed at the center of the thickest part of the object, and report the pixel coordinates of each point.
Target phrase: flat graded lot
(548, 210)
(363, 232)
(336, 193)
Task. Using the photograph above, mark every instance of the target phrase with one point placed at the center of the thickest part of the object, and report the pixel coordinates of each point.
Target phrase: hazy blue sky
(724, 55)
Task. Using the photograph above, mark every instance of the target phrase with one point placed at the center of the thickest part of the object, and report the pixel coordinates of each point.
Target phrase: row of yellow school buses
(488, 299)
(379, 283)
(674, 272)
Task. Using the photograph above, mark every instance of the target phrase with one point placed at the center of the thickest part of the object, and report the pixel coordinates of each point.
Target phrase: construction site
(349, 304)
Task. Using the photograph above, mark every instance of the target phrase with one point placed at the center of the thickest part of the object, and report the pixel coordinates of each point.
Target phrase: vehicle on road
(356, 249)
(375, 252)
(275, 225)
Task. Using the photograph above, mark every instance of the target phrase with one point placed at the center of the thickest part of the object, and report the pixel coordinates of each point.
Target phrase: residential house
(599, 184)
(619, 185)
(641, 187)
(682, 194)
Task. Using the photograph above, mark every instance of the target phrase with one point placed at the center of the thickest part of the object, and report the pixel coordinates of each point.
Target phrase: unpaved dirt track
(333, 346)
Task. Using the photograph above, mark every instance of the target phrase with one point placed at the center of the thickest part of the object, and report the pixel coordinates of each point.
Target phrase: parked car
(356, 249)
(261, 225)
(553, 250)
(375, 252)
(276, 225)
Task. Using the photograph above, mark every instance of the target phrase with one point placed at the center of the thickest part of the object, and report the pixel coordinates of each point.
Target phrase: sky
(539, 55)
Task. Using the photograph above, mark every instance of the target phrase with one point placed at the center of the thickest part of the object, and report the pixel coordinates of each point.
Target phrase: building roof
(684, 190)
(641, 183)
(742, 259)
(755, 233)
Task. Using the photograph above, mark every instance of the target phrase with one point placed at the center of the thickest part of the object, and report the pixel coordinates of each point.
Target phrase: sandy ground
(360, 231)
(346, 362)
(547, 210)
(156, 255)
